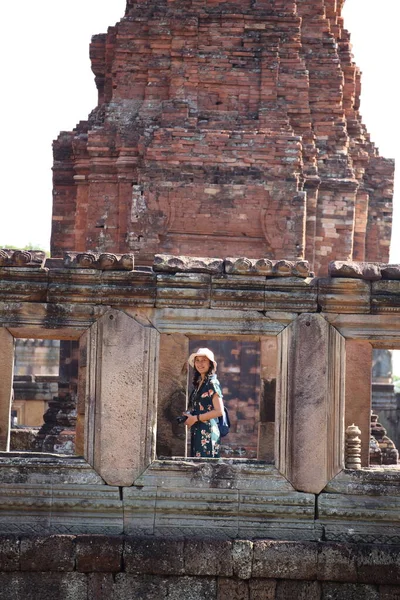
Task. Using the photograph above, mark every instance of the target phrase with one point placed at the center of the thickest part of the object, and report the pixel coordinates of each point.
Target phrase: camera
(181, 419)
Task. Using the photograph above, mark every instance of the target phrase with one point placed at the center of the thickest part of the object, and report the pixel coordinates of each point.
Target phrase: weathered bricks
(224, 132)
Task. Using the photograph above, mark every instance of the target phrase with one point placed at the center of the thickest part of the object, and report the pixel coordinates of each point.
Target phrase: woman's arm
(218, 411)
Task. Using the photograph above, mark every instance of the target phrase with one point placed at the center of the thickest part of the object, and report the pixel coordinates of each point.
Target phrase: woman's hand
(191, 420)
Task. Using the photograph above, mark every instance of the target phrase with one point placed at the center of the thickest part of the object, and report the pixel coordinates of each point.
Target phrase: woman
(205, 405)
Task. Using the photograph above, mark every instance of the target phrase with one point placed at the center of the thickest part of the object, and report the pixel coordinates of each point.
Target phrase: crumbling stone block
(98, 553)
(337, 562)
(233, 589)
(9, 553)
(378, 564)
(153, 556)
(131, 587)
(242, 555)
(43, 586)
(301, 590)
(208, 557)
(262, 589)
(280, 560)
(48, 553)
(100, 585)
(191, 588)
(349, 591)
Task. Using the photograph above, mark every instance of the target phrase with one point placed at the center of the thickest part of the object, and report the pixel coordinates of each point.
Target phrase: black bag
(224, 423)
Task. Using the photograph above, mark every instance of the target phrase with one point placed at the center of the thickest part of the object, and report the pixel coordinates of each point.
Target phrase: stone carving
(165, 263)
(390, 271)
(266, 267)
(21, 258)
(353, 447)
(362, 270)
(375, 453)
(103, 262)
(390, 454)
(232, 266)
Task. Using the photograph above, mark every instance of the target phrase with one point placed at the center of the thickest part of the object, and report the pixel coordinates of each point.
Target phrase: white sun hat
(203, 352)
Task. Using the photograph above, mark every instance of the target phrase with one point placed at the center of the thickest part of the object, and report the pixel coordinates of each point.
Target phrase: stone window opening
(385, 413)
(247, 374)
(371, 401)
(45, 396)
(39, 392)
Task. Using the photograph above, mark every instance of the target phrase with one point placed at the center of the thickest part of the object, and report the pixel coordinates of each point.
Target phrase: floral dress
(205, 437)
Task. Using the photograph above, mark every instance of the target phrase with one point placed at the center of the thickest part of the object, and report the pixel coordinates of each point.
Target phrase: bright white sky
(48, 86)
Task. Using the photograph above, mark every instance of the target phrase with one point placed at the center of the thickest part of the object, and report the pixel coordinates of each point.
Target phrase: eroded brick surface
(224, 132)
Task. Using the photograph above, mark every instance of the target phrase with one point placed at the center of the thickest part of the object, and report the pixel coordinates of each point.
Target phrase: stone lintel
(216, 323)
(383, 331)
(48, 321)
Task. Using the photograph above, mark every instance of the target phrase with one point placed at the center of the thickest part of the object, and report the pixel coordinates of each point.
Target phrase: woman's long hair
(195, 381)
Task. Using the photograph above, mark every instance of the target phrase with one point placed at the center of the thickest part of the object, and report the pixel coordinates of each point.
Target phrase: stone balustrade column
(121, 397)
(310, 403)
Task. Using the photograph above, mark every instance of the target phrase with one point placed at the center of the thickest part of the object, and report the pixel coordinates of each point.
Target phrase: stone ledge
(368, 271)
(184, 282)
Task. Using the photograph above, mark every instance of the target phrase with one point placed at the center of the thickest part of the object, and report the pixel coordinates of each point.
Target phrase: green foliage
(28, 246)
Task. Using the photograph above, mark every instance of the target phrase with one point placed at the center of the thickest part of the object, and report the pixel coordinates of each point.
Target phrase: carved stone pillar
(6, 385)
(310, 403)
(121, 397)
(358, 391)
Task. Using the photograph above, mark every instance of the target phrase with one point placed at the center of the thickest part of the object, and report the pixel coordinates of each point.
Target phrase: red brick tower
(224, 129)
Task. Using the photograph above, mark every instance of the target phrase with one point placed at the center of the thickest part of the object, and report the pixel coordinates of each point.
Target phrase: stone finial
(390, 271)
(21, 258)
(363, 270)
(231, 266)
(101, 262)
(390, 454)
(266, 267)
(353, 447)
(375, 453)
(166, 263)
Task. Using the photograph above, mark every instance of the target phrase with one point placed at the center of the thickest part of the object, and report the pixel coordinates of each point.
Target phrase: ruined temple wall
(92, 567)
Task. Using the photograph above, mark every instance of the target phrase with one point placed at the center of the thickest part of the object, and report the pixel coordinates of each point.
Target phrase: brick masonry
(224, 129)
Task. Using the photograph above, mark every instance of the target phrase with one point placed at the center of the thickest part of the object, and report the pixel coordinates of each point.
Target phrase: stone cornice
(202, 283)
